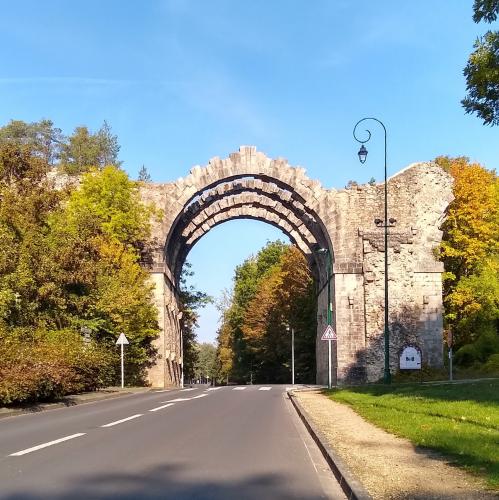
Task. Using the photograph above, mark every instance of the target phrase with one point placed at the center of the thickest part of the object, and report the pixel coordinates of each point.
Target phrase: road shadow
(164, 482)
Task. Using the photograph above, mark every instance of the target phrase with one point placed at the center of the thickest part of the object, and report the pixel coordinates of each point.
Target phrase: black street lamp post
(384, 224)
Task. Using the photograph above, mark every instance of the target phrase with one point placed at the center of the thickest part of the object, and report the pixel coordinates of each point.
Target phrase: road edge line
(352, 487)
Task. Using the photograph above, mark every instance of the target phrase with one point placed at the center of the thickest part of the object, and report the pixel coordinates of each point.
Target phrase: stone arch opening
(258, 197)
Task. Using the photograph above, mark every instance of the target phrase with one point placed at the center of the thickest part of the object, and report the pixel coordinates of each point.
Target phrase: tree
(285, 299)
(482, 70)
(27, 200)
(207, 365)
(191, 300)
(84, 150)
(41, 138)
(272, 290)
(70, 258)
(109, 203)
(232, 345)
(144, 175)
(470, 250)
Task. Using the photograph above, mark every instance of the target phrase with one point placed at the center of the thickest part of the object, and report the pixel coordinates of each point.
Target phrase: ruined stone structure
(250, 185)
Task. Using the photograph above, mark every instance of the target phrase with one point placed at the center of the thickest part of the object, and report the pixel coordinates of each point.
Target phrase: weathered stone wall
(250, 185)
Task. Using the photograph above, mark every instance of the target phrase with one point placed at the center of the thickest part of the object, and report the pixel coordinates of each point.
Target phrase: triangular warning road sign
(329, 334)
(122, 340)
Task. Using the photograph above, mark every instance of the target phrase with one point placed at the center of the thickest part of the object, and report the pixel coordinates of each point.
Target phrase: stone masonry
(250, 185)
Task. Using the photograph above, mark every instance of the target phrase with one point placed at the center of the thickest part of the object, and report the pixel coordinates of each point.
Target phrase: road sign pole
(122, 369)
(122, 340)
(329, 365)
(450, 363)
(292, 356)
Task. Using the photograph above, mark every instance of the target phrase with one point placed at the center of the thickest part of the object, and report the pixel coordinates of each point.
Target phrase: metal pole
(329, 320)
(292, 356)
(450, 363)
(386, 374)
(182, 357)
(329, 376)
(122, 368)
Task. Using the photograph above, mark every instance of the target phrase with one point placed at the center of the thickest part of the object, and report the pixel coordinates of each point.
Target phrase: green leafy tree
(41, 138)
(232, 345)
(191, 300)
(482, 70)
(70, 258)
(96, 241)
(108, 203)
(207, 364)
(85, 150)
(285, 299)
(271, 291)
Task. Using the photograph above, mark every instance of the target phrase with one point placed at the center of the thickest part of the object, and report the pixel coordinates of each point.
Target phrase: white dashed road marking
(45, 445)
(163, 390)
(213, 388)
(161, 407)
(265, 388)
(191, 389)
(177, 400)
(122, 420)
(239, 388)
(199, 396)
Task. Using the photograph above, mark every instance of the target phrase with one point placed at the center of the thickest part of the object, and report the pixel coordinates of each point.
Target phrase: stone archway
(248, 184)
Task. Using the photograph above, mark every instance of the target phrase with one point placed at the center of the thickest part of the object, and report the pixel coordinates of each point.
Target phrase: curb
(352, 488)
(64, 403)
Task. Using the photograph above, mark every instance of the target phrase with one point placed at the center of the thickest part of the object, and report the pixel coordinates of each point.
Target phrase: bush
(50, 365)
(492, 365)
(486, 345)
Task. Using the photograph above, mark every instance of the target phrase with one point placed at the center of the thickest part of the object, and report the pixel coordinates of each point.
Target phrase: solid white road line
(161, 407)
(44, 445)
(265, 388)
(122, 420)
(239, 388)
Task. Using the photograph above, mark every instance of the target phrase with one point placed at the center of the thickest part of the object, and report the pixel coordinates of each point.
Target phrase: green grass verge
(461, 421)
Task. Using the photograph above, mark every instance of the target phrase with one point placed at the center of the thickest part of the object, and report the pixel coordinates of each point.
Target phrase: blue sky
(181, 81)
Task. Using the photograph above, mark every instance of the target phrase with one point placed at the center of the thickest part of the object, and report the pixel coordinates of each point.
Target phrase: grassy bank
(460, 420)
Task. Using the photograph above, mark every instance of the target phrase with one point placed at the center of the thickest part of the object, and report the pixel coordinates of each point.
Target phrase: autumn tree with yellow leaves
(470, 252)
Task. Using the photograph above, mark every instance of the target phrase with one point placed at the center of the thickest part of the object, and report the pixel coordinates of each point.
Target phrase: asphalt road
(229, 443)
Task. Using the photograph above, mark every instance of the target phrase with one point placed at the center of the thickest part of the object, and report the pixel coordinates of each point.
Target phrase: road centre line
(163, 390)
(176, 400)
(116, 422)
(265, 388)
(239, 388)
(191, 389)
(213, 388)
(163, 406)
(45, 445)
(199, 396)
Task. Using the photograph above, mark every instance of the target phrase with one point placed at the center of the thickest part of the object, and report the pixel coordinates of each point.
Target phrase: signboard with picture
(410, 357)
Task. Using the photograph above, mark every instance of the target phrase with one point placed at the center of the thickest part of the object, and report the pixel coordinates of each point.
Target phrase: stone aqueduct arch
(248, 184)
